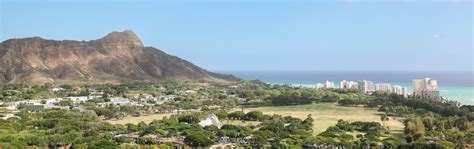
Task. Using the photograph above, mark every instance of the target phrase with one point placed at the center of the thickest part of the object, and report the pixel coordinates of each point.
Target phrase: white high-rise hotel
(383, 88)
(366, 87)
(329, 84)
(399, 90)
(388, 88)
(348, 84)
(426, 88)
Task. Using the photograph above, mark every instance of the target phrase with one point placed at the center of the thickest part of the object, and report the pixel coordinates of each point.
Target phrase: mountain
(119, 56)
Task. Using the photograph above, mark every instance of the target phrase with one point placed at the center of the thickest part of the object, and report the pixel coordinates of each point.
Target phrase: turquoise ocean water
(457, 86)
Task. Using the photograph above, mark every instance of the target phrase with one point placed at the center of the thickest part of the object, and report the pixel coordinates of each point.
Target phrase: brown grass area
(327, 114)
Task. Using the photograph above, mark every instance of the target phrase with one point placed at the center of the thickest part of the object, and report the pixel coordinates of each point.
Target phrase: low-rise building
(77, 99)
(57, 89)
(319, 86)
(9, 115)
(118, 101)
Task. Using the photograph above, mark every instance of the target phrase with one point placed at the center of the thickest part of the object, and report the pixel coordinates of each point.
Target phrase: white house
(78, 99)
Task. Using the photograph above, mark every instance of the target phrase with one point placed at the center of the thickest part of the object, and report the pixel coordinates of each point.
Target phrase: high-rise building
(426, 88)
(387, 88)
(366, 87)
(399, 90)
(329, 84)
(343, 84)
(353, 85)
(348, 84)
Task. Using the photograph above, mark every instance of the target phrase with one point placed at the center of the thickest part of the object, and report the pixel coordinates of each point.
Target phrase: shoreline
(466, 97)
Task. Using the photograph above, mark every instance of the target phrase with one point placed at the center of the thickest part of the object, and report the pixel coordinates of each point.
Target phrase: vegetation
(254, 114)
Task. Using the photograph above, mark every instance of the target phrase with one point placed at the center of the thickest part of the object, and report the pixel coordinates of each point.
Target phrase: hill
(118, 56)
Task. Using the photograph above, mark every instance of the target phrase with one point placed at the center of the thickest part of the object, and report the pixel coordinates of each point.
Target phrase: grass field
(241, 123)
(144, 118)
(324, 115)
(327, 114)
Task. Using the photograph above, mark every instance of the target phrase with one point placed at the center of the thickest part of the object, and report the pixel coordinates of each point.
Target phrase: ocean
(457, 86)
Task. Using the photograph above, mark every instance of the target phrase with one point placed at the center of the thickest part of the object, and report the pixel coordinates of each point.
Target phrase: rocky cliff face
(116, 57)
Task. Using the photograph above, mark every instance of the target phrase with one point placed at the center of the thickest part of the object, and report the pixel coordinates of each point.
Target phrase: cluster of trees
(116, 111)
(17, 92)
(54, 128)
(442, 107)
(300, 96)
(292, 98)
(429, 126)
(59, 128)
(358, 134)
(425, 120)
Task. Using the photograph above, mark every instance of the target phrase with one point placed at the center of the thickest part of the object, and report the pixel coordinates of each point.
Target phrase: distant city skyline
(267, 35)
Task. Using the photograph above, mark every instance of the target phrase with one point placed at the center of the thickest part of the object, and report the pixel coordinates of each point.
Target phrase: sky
(230, 35)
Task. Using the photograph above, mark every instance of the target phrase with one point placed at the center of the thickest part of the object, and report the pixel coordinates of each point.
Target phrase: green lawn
(324, 115)
(327, 114)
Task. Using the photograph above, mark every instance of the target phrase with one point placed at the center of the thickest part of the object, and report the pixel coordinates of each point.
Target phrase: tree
(384, 118)
(308, 122)
(428, 121)
(198, 139)
(102, 144)
(414, 128)
(254, 116)
(238, 115)
(249, 94)
(344, 125)
(261, 136)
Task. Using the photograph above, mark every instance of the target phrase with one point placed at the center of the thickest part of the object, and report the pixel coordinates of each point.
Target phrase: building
(383, 87)
(343, 84)
(9, 115)
(426, 88)
(353, 85)
(319, 86)
(329, 84)
(399, 90)
(366, 87)
(57, 89)
(34, 107)
(77, 99)
(119, 101)
(430, 94)
(348, 84)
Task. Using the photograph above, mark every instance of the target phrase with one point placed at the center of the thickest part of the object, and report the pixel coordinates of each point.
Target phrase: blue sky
(268, 34)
